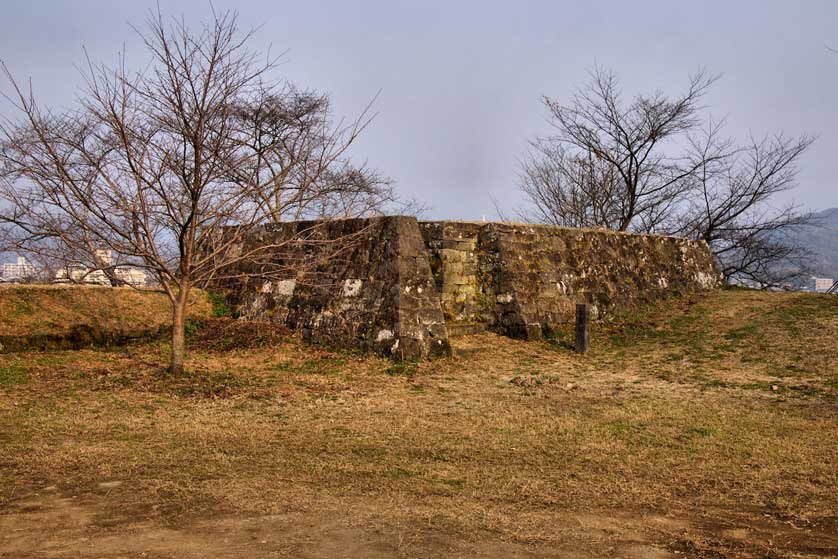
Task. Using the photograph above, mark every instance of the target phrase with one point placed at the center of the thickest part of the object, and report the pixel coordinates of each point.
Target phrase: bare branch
(628, 142)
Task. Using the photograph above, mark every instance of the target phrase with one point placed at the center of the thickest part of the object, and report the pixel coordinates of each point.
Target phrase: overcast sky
(461, 82)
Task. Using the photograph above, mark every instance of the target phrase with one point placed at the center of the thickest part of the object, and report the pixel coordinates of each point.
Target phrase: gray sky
(461, 81)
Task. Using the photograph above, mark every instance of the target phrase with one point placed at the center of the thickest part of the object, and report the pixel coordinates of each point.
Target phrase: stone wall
(456, 264)
(399, 285)
(372, 289)
(523, 280)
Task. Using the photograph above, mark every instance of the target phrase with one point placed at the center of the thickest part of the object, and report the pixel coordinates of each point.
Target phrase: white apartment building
(103, 256)
(822, 285)
(78, 273)
(17, 271)
(134, 277)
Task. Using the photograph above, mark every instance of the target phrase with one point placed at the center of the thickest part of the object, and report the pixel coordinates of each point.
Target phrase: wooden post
(583, 327)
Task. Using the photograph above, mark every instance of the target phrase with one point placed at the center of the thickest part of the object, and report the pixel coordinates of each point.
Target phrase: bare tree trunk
(178, 331)
(624, 224)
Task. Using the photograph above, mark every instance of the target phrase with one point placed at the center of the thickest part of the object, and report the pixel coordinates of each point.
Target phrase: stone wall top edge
(554, 228)
(511, 225)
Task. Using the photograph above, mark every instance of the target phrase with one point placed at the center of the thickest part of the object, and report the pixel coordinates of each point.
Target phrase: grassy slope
(37, 309)
(720, 408)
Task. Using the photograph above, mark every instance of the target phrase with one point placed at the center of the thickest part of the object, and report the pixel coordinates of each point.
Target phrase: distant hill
(822, 242)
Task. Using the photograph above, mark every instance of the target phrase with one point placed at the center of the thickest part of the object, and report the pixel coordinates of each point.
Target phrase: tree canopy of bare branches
(578, 190)
(153, 164)
(631, 139)
(731, 205)
(648, 165)
(299, 156)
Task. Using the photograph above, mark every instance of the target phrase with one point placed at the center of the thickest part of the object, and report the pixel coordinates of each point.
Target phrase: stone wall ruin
(524, 280)
(403, 286)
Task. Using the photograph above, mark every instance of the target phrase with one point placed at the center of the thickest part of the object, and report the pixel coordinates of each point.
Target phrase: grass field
(59, 316)
(702, 427)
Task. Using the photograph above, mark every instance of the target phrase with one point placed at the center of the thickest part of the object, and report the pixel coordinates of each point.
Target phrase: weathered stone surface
(525, 279)
(378, 295)
(454, 257)
(397, 282)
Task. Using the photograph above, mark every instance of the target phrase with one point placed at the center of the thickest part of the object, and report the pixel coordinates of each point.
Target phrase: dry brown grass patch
(518, 442)
(32, 310)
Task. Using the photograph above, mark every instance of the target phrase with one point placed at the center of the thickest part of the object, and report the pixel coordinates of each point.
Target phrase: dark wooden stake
(583, 327)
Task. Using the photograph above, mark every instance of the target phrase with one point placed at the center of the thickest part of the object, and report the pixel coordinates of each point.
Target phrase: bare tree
(156, 166)
(731, 205)
(299, 156)
(648, 166)
(631, 142)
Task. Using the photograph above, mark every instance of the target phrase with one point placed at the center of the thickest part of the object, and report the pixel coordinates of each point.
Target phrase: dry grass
(687, 421)
(32, 310)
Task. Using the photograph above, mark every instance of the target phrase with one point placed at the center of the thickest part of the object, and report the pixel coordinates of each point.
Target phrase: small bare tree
(162, 166)
(619, 166)
(629, 143)
(298, 156)
(731, 205)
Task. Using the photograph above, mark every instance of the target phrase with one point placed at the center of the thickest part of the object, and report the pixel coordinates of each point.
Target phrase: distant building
(104, 257)
(129, 275)
(77, 273)
(17, 271)
(822, 285)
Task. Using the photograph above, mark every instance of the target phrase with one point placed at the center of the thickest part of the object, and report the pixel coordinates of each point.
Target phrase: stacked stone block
(455, 261)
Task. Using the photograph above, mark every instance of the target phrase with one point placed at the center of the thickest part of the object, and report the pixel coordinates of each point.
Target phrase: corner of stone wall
(378, 296)
(421, 331)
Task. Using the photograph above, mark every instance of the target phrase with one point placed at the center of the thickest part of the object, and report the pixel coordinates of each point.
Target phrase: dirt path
(52, 525)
